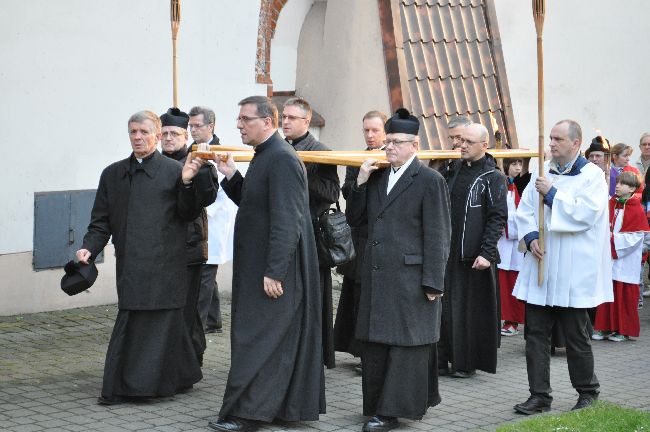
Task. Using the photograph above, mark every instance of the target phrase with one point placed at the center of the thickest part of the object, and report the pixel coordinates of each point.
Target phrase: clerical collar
(264, 144)
(476, 162)
(294, 142)
(144, 159)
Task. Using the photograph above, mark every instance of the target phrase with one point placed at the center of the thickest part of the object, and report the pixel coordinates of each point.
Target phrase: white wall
(596, 67)
(341, 69)
(284, 46)
(73, 72)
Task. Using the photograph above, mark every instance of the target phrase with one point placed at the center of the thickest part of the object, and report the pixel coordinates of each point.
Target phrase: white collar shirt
(393, 176)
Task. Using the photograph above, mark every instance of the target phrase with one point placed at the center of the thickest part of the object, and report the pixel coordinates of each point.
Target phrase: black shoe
(585, 401)
(210, 330)
(445, 371)
(380, 423)
(533, 405)
(112, 400)
(463, 374)
(233, 424)
(358, 368)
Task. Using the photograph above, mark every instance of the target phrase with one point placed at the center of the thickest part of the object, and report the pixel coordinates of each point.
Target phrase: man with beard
(470, 331)
(323, 182)
(406, 209)
(144, 203)
(346, 314)
(276, 361)
(174, 145)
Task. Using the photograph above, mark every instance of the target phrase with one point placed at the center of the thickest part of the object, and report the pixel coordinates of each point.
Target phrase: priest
(406, 210)
(276, 367)
(470, 333)
(144, 202)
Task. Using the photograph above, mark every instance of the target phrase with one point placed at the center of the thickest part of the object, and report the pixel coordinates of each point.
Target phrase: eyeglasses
(291, 117)
(245, 119)
(197, 126)
(172, 134)
(453, 138)
(470, 142)
(396, 142)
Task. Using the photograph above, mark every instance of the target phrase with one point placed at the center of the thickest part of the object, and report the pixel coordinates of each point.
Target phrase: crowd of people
(449, 258)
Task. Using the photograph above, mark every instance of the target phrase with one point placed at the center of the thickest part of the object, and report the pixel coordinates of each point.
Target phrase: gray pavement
(51, 368)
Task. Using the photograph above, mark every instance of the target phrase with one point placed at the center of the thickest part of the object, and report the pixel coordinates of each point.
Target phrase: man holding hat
(174, 145)
(144, 203)
(406, 208)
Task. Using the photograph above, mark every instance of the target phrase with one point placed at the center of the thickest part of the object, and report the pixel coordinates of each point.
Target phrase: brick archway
(269, 13)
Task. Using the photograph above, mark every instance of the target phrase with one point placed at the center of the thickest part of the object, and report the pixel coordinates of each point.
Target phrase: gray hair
(265, 107)
(300, 103)
(575, 131)
(208, 114)
(460, 121)
(141, 116)
(643, 136)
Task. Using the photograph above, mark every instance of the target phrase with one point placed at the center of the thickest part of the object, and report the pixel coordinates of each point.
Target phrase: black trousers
(209, 303)
(574, 323)
(399, 381)
(191, 313)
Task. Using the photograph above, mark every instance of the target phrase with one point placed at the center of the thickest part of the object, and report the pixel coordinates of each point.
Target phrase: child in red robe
(619, 320)
(512, 309)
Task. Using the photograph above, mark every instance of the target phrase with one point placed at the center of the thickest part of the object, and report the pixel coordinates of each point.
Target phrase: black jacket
(323, 180)
(207, 184)
(405, 256)
(486, 211)
(145, 208)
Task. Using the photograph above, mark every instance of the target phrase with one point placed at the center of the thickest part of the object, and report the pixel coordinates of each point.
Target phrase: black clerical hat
(600, 143)
(402, 122)
(78, 277)
(175, 117)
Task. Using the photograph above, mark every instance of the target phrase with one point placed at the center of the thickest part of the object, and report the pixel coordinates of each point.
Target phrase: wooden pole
(176, 23)
(539, 10)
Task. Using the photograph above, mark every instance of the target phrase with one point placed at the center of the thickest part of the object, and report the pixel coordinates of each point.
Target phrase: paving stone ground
(51, 367)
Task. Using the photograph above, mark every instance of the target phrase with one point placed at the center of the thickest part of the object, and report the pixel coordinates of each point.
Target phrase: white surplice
(629, 248)
(511, 257)
(578, 263)
(221, 227)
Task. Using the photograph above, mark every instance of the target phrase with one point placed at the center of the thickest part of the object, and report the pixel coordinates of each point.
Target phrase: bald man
(469, 334)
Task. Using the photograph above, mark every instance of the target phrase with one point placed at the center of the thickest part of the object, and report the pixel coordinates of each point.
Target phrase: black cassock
(323, 183)
(276, 362)
(470, 319)
(145, 209)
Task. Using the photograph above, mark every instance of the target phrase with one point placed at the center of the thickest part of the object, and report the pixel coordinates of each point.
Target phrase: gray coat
(409, 232)
(145, 208)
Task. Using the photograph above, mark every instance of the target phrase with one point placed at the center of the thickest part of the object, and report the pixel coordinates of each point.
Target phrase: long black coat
(323, 183)
(276, 369)
(146, 209)
(408, 244)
